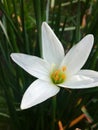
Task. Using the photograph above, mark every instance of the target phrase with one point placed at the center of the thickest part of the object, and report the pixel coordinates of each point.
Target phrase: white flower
(55, 69)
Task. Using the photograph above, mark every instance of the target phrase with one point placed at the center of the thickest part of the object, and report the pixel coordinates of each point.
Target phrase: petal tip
(23, 106)
(15, 55)
(12, 55)
(90, 36)
(44, 23)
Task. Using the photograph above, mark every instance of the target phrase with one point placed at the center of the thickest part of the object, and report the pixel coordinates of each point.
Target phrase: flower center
(58, 76)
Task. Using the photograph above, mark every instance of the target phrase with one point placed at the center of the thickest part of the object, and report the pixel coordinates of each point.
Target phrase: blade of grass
(9, 101)
(4, 30)
(78, 23)
(11, 22)
(37, 10)
(25, 38)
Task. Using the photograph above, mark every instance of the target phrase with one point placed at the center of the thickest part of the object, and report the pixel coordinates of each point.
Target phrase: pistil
(58, 75)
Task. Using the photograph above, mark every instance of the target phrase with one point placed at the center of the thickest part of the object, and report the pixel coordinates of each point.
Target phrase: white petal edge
(89, 73)
(83, 79)
(33, 65)
(38, 92)
(53, 50)
(78, 54)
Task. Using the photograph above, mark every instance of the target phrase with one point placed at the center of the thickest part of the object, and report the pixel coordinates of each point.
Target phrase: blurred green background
(20, 31)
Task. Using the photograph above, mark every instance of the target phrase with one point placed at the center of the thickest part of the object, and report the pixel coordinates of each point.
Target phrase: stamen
(63, 76)
(63, 68)
(57, 72)
(58, 76)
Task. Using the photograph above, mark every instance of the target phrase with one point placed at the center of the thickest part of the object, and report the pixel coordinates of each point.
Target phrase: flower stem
(54, 112)
(37, 10)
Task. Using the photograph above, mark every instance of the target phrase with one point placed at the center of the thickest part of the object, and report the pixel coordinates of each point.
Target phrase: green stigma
(58, 76)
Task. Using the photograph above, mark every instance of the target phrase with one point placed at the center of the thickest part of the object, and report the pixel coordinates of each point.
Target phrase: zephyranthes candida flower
(56, 69)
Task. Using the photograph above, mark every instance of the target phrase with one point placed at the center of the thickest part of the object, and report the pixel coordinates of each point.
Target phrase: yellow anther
(53, 75)
(63, 76)
(63, 68)
(57, 72)
(58, 76)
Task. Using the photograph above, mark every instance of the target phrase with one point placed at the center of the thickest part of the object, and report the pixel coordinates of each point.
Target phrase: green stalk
(37, 10)
(15, 12)
(78, 23)
(47, 11)
(12, 110)
(24, 33)
(62, 29)
(9, 101)
(10, 22)
(54, 112)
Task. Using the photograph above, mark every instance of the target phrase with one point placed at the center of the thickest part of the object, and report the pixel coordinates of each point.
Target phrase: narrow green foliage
(20, 31)
(37, 9)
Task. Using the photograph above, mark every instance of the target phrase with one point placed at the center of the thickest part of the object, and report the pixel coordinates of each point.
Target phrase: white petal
(33, 65)
(38, 92)
(53, 51)
(89, 73)
(78, 54)
(83, 79)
